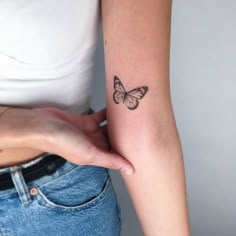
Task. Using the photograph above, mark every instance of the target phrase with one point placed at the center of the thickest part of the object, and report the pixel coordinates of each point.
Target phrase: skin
(77, 138)
(136, 37)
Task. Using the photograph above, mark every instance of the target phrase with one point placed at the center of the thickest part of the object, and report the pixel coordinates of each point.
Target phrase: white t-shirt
(47, 52)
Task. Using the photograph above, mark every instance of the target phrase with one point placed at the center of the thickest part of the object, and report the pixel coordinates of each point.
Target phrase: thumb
(110, 160)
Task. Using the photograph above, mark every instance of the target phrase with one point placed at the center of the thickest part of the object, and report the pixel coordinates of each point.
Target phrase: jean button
(33, 191)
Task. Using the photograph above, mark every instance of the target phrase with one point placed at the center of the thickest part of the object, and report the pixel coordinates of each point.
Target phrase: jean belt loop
(20, 185)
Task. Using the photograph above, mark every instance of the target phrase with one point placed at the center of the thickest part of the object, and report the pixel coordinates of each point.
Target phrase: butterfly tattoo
(130, 98)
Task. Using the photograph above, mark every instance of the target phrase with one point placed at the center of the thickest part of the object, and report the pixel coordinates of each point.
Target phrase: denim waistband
(21, 187)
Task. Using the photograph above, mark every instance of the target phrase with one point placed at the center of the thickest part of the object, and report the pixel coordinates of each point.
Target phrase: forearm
(157, 188)
(17, 132)
(7, 138)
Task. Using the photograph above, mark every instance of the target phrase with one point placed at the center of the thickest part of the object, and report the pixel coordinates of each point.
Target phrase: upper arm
(136, 37)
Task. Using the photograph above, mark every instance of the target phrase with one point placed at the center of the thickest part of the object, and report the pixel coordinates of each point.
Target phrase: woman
(56, 156)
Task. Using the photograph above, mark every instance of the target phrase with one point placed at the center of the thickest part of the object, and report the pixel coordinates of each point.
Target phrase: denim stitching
(43, 201)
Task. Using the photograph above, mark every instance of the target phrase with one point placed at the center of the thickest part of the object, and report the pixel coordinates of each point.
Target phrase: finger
(110, 160)
(100, 115)
(103, 129)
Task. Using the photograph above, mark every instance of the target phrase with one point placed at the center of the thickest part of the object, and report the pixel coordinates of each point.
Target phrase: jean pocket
(80, 188)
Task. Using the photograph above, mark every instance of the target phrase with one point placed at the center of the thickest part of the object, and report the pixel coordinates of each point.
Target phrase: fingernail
(127, 170)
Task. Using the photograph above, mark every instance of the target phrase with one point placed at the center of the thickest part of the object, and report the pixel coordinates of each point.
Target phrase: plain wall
(203, 90)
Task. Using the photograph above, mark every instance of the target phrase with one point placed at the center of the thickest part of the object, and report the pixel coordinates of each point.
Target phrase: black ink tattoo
(130, 98)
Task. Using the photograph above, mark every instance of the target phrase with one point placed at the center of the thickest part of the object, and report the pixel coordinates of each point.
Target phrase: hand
(78, 138)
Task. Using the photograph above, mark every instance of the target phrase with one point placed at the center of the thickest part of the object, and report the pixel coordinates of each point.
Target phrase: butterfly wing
(119, 93)
(131, 102)
(132, 97)
(118, 97)
(118, 86)
(139, 92)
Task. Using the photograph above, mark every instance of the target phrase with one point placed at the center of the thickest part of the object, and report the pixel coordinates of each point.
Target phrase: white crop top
(47, 50)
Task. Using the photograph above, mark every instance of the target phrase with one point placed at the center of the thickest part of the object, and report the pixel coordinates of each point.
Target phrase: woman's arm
(137, 43)
(78, 138)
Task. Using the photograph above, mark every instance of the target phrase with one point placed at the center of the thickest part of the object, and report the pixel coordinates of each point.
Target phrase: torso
(9, 157)
(46, 58)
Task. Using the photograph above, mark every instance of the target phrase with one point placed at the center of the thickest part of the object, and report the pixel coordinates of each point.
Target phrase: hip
(74, 200)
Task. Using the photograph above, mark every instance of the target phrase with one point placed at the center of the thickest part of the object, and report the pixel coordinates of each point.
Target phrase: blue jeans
(75, 200)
